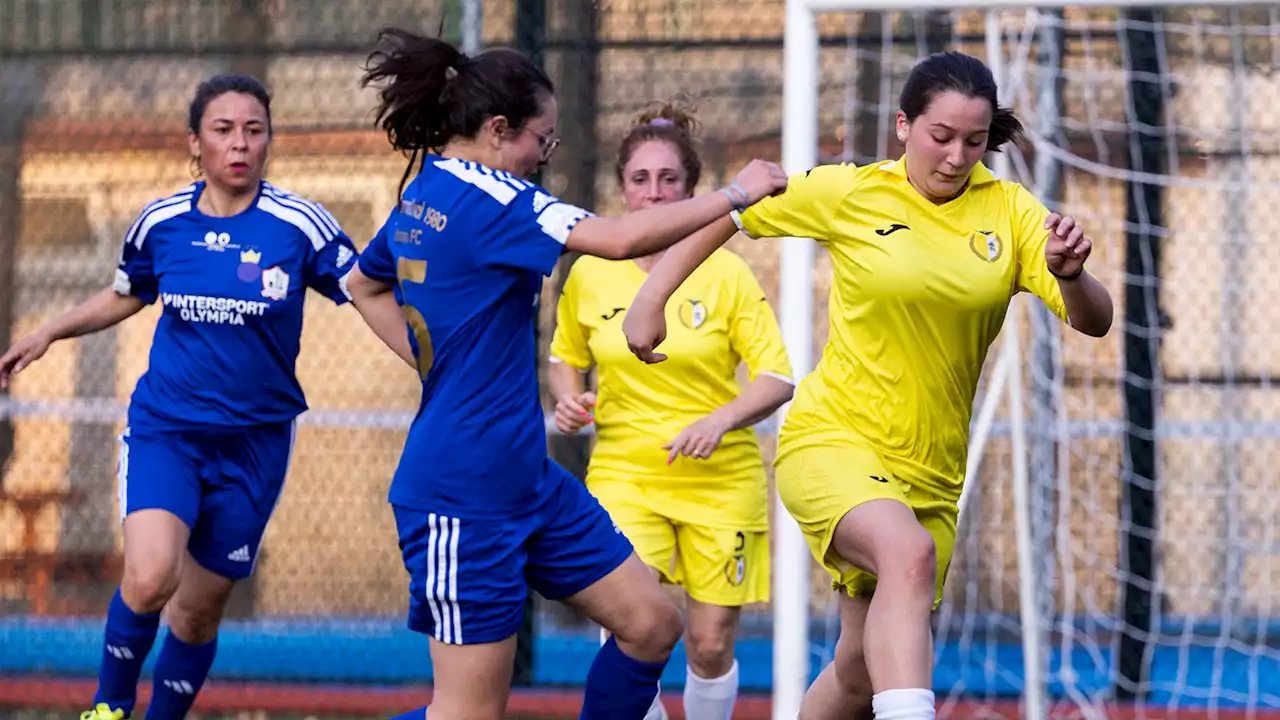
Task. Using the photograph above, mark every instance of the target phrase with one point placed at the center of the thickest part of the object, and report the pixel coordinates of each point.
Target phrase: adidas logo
(540, 201)
(344, 255)
(120, 652)
(182, 687)
(240, 555)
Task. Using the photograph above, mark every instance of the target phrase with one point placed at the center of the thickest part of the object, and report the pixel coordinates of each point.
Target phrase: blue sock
(418, 714)
(180, 672)
(619, 687)
(129, 637)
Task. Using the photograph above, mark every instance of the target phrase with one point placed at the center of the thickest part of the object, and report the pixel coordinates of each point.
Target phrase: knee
(709, 648)
(195, 622)
(914, 563)
(147, 586)
(652, 632)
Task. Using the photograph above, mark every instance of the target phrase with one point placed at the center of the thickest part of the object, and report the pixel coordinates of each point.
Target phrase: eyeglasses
(546, 143)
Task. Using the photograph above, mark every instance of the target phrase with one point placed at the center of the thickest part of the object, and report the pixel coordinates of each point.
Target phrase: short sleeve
(376, 262)
(1033, 272)
(330, 266)
(753, 332)
(569, 344)
(804, 209)
(531, 232)
(136, 273)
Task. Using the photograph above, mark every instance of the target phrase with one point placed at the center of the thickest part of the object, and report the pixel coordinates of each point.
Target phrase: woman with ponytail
(449, 282)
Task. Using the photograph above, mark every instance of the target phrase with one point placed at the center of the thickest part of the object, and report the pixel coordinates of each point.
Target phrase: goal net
(1149, 557)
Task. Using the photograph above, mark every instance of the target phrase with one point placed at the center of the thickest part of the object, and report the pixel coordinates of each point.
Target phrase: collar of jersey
(980, 176)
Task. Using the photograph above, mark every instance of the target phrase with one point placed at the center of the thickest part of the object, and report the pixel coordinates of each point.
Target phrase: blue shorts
(223, 484)
(468, 578)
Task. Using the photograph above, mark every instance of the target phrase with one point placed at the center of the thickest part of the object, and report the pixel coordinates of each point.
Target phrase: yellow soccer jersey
(919, 294)
(717, 319)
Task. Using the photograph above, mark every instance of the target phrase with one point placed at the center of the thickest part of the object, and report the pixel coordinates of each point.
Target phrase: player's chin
(233, 181)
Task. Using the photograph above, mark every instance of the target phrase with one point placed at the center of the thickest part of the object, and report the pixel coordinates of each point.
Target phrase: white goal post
(800, 151)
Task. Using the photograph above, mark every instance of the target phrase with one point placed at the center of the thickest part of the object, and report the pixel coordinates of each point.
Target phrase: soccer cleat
(102, 711)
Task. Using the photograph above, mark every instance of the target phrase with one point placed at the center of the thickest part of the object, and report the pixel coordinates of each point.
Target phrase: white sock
(710, 699)
(906, 704)
(656, 711)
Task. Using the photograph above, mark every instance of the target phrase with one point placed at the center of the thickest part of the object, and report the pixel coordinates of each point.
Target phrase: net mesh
(1155, 131)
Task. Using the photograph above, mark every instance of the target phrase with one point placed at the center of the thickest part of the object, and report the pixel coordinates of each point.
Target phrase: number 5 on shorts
(415, 272)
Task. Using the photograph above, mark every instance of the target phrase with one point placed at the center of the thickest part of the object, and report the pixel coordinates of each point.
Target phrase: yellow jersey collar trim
(980, 175)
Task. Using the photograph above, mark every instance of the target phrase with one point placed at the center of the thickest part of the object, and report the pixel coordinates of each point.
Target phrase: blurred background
(1151, 455)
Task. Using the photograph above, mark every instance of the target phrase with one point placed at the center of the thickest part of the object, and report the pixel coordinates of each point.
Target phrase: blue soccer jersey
(232, 291)
(467, 250)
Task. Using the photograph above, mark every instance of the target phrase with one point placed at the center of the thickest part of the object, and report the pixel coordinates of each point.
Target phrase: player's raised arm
(647, 231)
(1088, 303)
(1052, 251)
(800, 211)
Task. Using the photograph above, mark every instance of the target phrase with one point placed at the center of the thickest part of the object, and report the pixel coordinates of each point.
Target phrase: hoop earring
(197, 172)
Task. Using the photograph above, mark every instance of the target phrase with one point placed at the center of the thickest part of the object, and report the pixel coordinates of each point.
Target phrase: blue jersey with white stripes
(232, 291)
(467, 250)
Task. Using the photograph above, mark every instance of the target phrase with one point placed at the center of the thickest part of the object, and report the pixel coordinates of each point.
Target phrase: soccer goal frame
(800, 144)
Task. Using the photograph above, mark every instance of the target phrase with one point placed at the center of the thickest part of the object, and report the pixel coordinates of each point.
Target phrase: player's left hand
(698, 440)
(1067, 247)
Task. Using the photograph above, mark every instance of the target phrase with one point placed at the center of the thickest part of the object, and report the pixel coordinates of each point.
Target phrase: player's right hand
(574, 412)
(761, 179)
(645, 326)
(23, 353)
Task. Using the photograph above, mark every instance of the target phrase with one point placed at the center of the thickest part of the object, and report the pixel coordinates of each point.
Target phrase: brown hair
(967, 75)
(429, 92)
(671, 122)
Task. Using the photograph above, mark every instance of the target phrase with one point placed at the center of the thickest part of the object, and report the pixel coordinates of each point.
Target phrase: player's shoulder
(303, 214)
(495, 186)
(160, 211)
(590, 266)
(725, 264)
(589, 271)
(835, 176)
(182, 201)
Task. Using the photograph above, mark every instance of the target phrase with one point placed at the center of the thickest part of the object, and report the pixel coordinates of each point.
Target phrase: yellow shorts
(724, 567)
(820, 484)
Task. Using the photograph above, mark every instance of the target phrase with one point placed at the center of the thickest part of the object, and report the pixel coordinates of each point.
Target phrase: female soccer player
(211, 422)
(927, 252)
(676, 463)
(481, 510)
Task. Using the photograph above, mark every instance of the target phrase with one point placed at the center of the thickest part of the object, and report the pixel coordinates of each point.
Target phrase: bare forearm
(1089, 305)
(104, 309)
(648, 231)
(759, 399)
(566, 381)
(683, 258)
(382, 314)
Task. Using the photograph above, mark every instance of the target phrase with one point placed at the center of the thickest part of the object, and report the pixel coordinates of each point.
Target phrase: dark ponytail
(967, 75)
(430, 92)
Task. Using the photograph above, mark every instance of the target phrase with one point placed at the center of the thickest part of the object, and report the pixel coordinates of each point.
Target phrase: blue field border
(382, 651)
